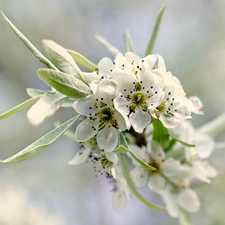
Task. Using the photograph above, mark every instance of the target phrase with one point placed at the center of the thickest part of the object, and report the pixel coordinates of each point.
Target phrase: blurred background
(192, 42)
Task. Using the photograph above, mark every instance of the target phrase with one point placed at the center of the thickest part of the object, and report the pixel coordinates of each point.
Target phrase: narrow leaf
(64, 83)
(183, 142)
(123, 142)
(62, 59)
(106, 44)
(131, 186)
(29, 45)
(160, 133)
(19, 107)
(214, 127)
(42, 142)
(128, 41)
(34, 92)
(46, 106)
(155, 31)
(219, 145)
(82, 60)
(184, 217)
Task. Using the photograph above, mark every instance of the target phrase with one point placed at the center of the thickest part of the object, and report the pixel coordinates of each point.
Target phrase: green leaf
(42, 142)
(155, 31)
(62, 59)
(65, 83)
(160, 133)
(45, 107)
(106, 44)
(29, 45)
(184, 217)
(34, 92)
(19, 107)
(82, 60)
(123, 142)
(214, 127)
(183, 142)
(128, 41)
(131, 186)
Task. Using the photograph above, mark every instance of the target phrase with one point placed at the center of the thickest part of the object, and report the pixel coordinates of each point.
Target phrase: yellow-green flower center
(107, 115)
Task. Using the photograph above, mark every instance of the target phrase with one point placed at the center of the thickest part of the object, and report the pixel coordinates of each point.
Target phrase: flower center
(138, 99)
(107, 115)
(106, 164)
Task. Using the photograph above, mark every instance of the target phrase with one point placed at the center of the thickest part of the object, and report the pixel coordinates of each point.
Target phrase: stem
(214, 127)
(132, 187)
(220, 145)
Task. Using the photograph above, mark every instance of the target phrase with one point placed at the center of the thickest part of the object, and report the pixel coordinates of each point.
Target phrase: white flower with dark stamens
(154, 156)
(138, 96)
(129, 63)
(173, 108)
(184, 198)
(102, 119)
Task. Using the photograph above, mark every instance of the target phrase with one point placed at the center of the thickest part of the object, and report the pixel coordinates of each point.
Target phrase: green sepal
(155, 31)
(184, 217)
(41, 143)
(131, 186)
(123, 142)
(160, 133)
(106, 44)
(121, 149)
(62, 59)
(128, 41)
(45, 107)
(29, 45)
(65, 83)
(19, 107)
(82, 60)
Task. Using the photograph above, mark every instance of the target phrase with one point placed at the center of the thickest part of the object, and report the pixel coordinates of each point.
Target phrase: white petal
(122, 105)
(140, 152)
(209, 170)
(140, 176)
(122, 121)
(90, 76)
(196, 105)
(85, 106)
(80, 157)
(112, 157)
(149, 61)
(170, 167)
(107, 138)
(118, 201)
(169, 122)
(156, 152)
(170, 198)
(200, 171)
(189, 200)
(139, 120)
(204, 146)
(86, 130)
(161, 63)
(156, 183)
(105, 66)
(125, 81)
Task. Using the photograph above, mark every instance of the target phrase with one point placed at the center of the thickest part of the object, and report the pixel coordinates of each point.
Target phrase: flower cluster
(127, 94)
(128, 106)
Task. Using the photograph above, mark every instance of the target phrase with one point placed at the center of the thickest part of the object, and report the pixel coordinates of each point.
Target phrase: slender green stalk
(214, 127)
(132, 187)
(155, 31)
